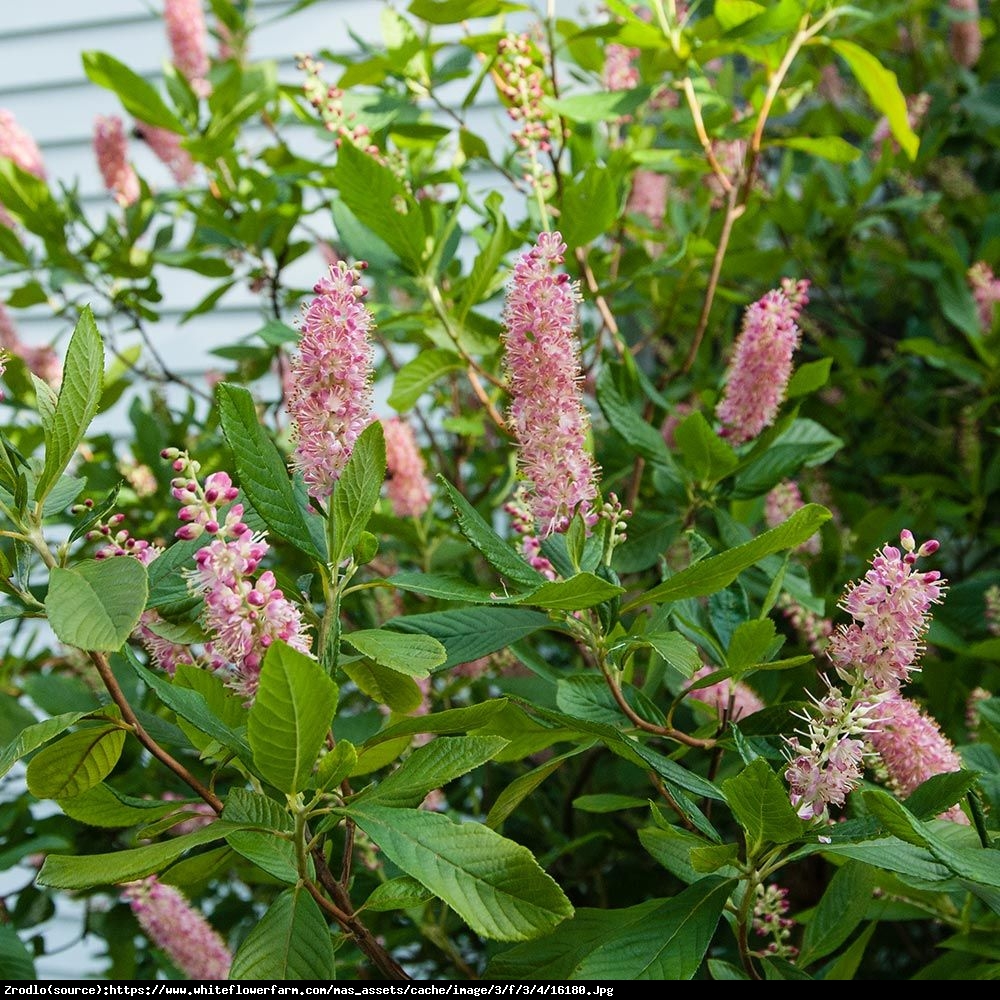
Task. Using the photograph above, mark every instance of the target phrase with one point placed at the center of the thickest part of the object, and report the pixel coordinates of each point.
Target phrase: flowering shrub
(492, 618)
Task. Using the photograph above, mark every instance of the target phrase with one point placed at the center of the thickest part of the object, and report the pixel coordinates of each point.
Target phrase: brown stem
(706, 143)
(670, 800)
(599, 300)
(118, 696)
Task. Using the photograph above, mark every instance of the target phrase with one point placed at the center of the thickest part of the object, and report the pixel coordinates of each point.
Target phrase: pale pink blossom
(986, 291)
(542, 362)
(523, 86)
(891, 611)
(18, 146)
(780, 504)
(965, 39)
(913, 748)
(42, 360)
(720, 696)
(111, 149)
(648, 196)
(407, 486)
(620, 71)
(178, 929)
(168, 149)
(812, 629)
(757, 377)
(188, 37)
(330, 397)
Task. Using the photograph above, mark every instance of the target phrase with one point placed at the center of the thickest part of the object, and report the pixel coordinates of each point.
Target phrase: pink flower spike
(111, 148)
(166, 145)
(188, 36)
(17, 145)
(542, 361)
(761, 366)
(407, 486)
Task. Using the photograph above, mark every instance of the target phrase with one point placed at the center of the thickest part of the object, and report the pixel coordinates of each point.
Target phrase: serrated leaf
(939, 793)
(290, 716)
(32, 737)
(608, 802)
(707, 457)
(271, 853)
(412, 654)
(679, 652)
(760, 803)
(103, 806)
(291, 942)
(385, 686)
(712, 857)
(138, 96)
(15, 959)
(587, 697)
(430, 767)
(493, 548)
(402, 893)
(829, 147)
(638, 434)
(844, 904)
(96, 604)
(71, 872)
(336, 764)
(418, 375)
(443, 587)
(493, 884)
(719, 571)
(469, 633)
(882, 88)
(263, 475)
(357, 491)
(75, 763)
(750, 643)
(453, 720)
(79, 396)
(584, 590)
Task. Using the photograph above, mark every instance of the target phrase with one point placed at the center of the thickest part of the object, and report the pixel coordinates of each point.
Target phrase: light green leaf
(712, 857)
(829, 147)
(493, 884)
(336, 764)
(581, 591)
(802, 443)
(430, 767)
(590, 204)
(445, 588)
(402, 893)
(495, 550)
(882, 88)
(453, 720)
(357, 491)
(103, 806)
(760, 803)
(72, 872)
(608, 802)
(96, 604)
(719, 571)
(707, 457)
(587, 697)
(35, 736)
(291, 942)
(750, 643)
(809, 377)
(385, 686)
(138, 96)
(79, 396)
(847, 899)
(263, 475)
(75, 763)
(270, 852)
(414, 655)
(486, 273)
(468, 633)
(15, 959)
(601, 105)
(672, 847)
(418, 375)
(290, 716)
(679, 652)
(516, 791)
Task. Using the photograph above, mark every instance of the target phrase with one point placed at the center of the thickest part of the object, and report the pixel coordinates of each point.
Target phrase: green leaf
(707, 457)
(336, 764)
(719, 571)
(62, 871)
(759, 801)
(414, 655)
(802, 443)
(661, 939)
(587, 697)
(453, 11)
(402, 893)
(28, 197)
(584, 590)
(940, 793)
(138, 97)
(418, 375)
(495, 550)
(385, 686)
(290, 716)
(263, 475)
(75, 763)
(453, 720)
(32, 737)
(846, 965)
(271, 853)
(468, 633)
(381, 202)
(292, 941)
(79, 396)
(882, 88)
(712, 857)
(590, 205)
(103, 806)
(624, 420)
(493, 884)
(809, 377)
(516, 791)
(750, 643)
(829, 147)
(608, 802)
(847, 899)
(443, 587)
(675, 649)
(600, 105)
(357, 491)
(96, 604)
(15, 959)
(430, 767)
(484, 276)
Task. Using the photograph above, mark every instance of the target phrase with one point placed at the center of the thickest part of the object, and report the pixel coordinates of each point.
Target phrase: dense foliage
(582, 688)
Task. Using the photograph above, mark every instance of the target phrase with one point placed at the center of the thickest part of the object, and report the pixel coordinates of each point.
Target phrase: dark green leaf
(15, 959)
(418, 375)
(707, 457)
(581, 591)
(759, 801)
(843, 906)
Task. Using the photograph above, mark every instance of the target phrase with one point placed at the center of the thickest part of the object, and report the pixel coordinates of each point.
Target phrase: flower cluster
(329, 398)
(329, 103)
(770, 920)
(991, 607)
(18, 146)
(965, 38)
(758, 374)
(985, 290)
(188, 37)
(522, 86)
(111, 149)
(542, 362)
(42, 361)
(180, 930)
(523, 523)
(648, 196)
(166, 145)
(407, 486)
(620, 72)
(812, 629)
